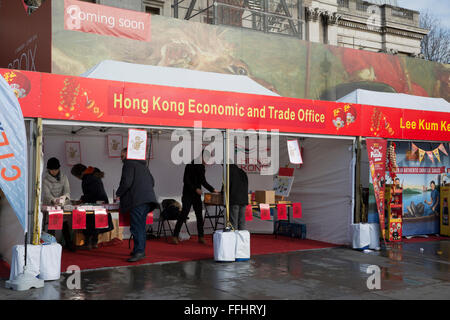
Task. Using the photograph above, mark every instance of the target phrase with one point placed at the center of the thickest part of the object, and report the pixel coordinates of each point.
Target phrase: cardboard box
(214, 198)
(265, 196)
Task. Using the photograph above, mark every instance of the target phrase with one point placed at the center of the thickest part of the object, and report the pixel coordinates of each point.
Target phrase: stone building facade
(347, 23)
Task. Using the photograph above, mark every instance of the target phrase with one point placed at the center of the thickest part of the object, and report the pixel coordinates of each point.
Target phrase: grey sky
(439, 8)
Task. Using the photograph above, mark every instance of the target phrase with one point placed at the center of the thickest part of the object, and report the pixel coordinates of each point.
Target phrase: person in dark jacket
(93, 192)
(137, 196)
(238, 198)
(193, 180)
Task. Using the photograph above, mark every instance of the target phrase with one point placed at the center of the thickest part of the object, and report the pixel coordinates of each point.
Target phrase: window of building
(153, 7)
(152, 10)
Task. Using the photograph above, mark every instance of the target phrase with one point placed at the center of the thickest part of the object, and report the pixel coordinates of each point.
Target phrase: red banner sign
(420, 170)
(249, 213)
(84, 99)
(297, 210)
(106, 20)
(377, 149)
(149, 219)
(101, 219)
(282, 211)
(55, 219)
(78, 219)
(265, 211)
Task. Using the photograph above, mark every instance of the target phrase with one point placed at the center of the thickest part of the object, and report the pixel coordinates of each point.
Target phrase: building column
(312, 24)
(333, 19)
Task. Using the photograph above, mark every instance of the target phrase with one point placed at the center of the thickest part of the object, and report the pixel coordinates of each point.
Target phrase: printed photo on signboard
(73, 152)
(282, 185)
(115, 142)
(137, 143)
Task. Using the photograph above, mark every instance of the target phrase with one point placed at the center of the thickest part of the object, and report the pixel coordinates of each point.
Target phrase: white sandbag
(50, 262)
(224, 246)
(374, 234)
(18, 259)
(360, 235)
(242, 245)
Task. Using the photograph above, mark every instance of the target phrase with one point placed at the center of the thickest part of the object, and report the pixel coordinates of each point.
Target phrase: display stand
(444, 219)
(394, 213)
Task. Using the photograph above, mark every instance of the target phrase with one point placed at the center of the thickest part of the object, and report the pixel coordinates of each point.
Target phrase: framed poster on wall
(73, 152)
(115, 145)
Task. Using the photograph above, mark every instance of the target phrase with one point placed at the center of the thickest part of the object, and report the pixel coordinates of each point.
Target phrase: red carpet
(422, 239)
(158, 250)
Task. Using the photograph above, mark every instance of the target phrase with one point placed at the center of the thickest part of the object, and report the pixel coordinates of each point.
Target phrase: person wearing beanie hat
(53, 164)
(55, 184)
(56, 191)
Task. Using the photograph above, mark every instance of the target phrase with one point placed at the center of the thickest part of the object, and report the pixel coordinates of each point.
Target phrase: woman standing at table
(93, 192)
(56, 191)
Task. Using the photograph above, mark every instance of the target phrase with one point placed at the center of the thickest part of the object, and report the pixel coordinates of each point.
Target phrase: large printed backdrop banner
(13, 151)
(416, 174)
(376, 149)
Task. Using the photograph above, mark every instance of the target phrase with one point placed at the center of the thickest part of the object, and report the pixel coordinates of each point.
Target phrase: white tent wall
(324, 186)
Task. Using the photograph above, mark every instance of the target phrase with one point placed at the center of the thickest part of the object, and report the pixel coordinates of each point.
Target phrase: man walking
(136, 196)
(193, 180)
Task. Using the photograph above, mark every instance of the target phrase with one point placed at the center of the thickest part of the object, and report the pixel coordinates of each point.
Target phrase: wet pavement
(334, 273)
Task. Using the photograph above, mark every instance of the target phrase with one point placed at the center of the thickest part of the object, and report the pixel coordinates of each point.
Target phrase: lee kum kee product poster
(376, 149)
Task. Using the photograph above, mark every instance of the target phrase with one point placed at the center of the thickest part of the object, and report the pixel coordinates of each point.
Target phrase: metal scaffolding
(271, 16)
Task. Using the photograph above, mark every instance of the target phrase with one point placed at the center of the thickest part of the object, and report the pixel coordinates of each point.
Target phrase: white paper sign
(295, 156)
(137, 144)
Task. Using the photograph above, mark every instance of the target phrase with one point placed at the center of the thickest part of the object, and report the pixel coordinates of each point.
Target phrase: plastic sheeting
(242, 245)
(365, 236)
(396, 100)
(18, 259)
(50, 267)
(224, 246)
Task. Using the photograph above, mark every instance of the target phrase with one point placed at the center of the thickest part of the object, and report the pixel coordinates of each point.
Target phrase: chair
(170, 212)
(219, 214)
